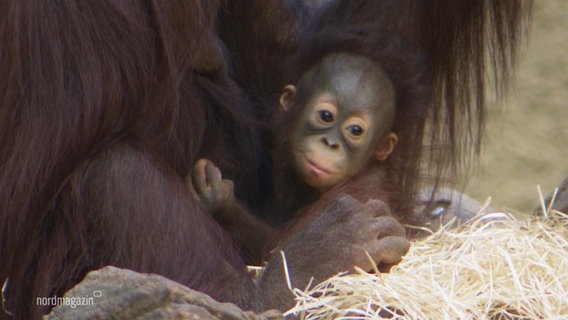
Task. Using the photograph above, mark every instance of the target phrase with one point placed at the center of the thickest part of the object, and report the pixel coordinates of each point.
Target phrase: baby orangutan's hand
(212, 191)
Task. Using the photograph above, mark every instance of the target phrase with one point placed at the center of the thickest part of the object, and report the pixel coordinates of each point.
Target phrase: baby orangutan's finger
(228, 187)
(213, 176)
(198, 176)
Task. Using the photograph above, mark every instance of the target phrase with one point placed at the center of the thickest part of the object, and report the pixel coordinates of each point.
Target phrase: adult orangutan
(105, 106)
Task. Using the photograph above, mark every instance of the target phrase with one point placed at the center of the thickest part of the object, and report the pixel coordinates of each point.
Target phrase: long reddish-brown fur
(101, 117)
(105, 105)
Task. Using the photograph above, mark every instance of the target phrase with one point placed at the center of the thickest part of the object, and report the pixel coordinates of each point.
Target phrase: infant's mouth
(315, 168)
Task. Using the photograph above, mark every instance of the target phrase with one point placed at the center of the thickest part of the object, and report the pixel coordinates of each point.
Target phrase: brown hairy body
(105, 106)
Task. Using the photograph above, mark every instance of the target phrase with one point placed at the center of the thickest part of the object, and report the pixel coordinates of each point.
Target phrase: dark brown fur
(105, 106)
(102, 116)
(434, 52)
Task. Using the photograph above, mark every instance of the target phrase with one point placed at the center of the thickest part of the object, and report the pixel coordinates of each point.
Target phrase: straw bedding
(495, 267)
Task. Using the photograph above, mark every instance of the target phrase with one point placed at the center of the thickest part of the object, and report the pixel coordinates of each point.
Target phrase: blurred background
(527, 134)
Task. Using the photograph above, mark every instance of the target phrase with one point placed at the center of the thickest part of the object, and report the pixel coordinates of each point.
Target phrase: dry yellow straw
(495, 267)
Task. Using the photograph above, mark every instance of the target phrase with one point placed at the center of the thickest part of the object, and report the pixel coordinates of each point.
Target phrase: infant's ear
(287, 97)
(386, 146)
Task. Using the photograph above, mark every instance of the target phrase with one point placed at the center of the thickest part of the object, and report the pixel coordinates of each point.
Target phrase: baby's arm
(217, 198)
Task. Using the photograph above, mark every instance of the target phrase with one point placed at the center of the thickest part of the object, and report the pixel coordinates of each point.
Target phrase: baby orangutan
(334, 125)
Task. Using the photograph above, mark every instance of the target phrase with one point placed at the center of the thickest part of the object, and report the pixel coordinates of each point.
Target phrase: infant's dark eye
(325, 116)
(356, 130)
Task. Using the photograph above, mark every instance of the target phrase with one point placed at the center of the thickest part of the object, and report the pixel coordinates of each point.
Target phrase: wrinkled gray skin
(560, 200)
(449, 203)
(446, 205)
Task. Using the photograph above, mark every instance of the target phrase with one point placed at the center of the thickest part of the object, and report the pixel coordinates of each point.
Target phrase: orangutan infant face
(344, 122)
